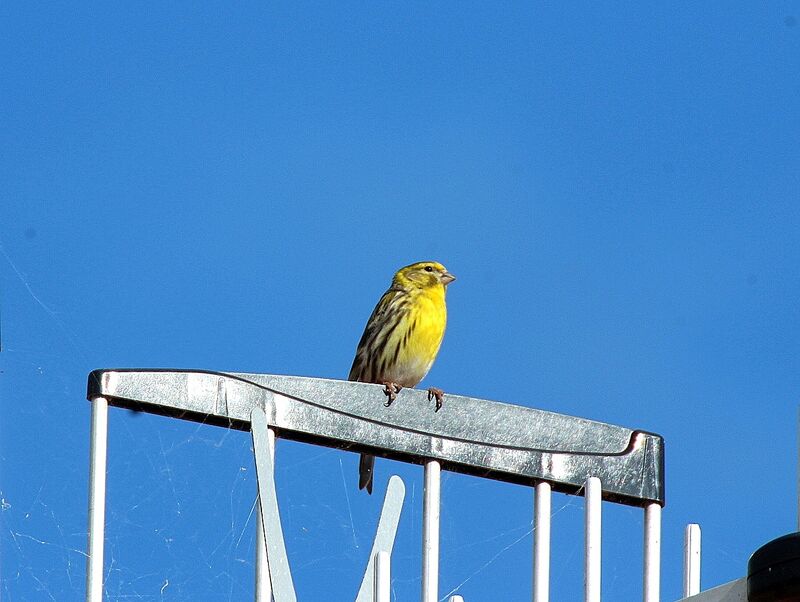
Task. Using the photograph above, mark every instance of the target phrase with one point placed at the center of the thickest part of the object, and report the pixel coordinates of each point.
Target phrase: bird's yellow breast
(421, 337)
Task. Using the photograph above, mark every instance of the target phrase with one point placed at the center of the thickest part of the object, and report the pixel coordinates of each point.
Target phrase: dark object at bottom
(773, 571)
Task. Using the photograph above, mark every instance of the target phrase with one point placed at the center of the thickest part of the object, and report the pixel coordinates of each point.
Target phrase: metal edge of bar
(733, 591)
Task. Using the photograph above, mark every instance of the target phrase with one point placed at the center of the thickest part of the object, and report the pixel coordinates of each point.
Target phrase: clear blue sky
(231, 187)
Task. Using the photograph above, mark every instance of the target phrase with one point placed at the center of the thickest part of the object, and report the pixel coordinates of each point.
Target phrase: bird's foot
(391, 390)
(438, 394)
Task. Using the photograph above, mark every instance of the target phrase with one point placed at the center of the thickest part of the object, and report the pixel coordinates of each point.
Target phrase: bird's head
(422, 275)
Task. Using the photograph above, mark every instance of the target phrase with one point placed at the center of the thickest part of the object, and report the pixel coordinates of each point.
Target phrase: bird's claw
(390, 390)
(438, 394)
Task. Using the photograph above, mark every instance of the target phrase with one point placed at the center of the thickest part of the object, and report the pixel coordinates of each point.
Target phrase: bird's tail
(365, 467)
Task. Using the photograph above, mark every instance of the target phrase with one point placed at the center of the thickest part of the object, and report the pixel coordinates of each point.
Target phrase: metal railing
(548, 451)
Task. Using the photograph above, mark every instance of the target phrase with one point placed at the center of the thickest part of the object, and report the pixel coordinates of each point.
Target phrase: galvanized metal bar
(385, 534)
(430, 531)
(691, 560)
(382, 581)
(541, 542)
(494, 440)
(98, 453)
(263, 585)
(652, 553)
(280, 575)
(593, 526)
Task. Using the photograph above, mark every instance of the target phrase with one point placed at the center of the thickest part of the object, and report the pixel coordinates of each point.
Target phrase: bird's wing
(383, 321)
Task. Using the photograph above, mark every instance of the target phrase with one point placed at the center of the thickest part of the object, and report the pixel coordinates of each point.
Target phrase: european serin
(402, 338)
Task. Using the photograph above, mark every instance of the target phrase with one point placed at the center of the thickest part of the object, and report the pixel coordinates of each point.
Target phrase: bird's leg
(391, 390)
(438, 394)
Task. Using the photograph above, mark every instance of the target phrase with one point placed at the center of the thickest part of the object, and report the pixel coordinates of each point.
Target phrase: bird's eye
(428, 268)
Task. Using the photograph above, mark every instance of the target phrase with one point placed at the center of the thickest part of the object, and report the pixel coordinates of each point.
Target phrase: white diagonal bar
(593, 523)
(382, 581)
(279, 572)
(430, 531)
(98, 447)
(652, 553)
(541, 542)
(384, 535)
(263, 585)
(691, 560)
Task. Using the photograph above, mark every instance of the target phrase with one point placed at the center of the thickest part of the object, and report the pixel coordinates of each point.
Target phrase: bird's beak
(447, 278)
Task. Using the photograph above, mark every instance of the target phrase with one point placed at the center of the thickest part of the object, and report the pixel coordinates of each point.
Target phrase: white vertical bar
(382, 582)
(430, 531)
(691, 560)
(98, 447)
(591, 578)
(263, 584)
(541, 542)
(652, 553)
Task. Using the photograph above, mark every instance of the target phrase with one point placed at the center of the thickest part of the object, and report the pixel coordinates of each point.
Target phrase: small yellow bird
(402, 338)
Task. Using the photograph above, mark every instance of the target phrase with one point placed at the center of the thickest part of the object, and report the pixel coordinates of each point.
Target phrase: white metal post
(456, 599)
(591, 578)
(691, 560)
(98, 448)
(541, 542)
(382, 582)
(652, 553)
(430, 531)
(263, 583)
